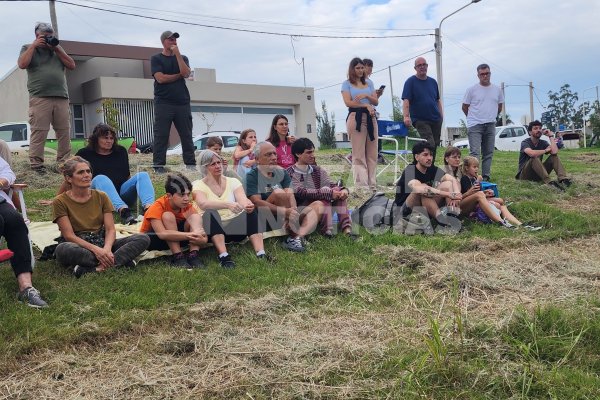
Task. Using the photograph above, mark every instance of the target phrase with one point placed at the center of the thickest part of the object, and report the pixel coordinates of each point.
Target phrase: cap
(43, 27)
(168, 34)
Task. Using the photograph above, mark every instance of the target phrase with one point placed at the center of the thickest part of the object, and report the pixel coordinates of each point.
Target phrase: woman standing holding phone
(361, 98)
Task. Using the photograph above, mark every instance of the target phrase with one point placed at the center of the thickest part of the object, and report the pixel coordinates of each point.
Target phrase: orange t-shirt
(157, 209)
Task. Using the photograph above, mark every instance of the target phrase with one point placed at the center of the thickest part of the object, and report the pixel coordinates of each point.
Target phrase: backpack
(377, 211)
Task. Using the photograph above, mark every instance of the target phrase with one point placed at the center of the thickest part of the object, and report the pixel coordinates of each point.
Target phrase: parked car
(17, 135)
(508, 138)
(230, 140)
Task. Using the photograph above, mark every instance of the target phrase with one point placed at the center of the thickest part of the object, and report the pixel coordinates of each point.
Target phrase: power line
(256, 21)
(379, 70)
(240, 29)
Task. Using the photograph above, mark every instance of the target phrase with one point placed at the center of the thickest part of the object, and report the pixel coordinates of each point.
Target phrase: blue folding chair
(392, 131)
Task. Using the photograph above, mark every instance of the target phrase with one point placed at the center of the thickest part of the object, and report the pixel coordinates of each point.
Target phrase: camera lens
(51, 40)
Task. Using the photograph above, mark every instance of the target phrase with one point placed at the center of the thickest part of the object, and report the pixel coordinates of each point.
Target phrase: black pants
(236, 230)
(14, 229)
(181, 117)
(430, 131)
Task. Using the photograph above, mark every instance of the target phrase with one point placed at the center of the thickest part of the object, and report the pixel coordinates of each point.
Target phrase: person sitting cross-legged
(227, 214)
(172, 222)
(425, 185)
(268, 186)
(313, 188)
(531, 167)
(84, 217)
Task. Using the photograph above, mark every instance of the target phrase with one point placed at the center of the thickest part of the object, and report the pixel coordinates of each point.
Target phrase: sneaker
(194, 261)
(381, 159)
(40, 170)
(126, 217)
(293, 244)
(507, 224)
(79, 271)
(32, 298)
(566, 182)
(485, 178)
(130, 264)
(531, 227)
(179, 261)
(556, 185)
(266, 257)
(160, 170)
(226, 262)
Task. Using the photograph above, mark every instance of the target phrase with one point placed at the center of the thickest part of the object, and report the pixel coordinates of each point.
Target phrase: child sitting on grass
(482, 205)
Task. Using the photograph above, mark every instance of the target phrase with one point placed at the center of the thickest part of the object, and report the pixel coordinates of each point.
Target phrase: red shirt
(158, 208)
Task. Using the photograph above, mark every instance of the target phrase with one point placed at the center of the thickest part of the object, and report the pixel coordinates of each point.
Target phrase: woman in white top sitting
(227, 214)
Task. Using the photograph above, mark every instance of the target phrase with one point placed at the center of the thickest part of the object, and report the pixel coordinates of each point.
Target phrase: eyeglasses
(421, 65)
(485, 73)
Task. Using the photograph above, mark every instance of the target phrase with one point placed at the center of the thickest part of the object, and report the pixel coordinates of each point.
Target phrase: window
(13, 133)
(200, 144)
(520, 131)
(78, 121)
(229, 141)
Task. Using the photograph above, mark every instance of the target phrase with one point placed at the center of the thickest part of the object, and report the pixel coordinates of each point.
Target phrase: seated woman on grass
(227, 214)
(84, 217)
(110, 169)
(215, 144)
(172, 222)
(452, 162)
(482, 205)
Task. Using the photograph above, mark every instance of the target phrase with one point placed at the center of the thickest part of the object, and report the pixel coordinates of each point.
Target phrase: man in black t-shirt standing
(425, 185)
(531, 167)
(171, 101)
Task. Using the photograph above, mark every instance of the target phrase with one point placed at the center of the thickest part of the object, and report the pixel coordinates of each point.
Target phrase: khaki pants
(364, 152)
(535, 170)
(44, 111)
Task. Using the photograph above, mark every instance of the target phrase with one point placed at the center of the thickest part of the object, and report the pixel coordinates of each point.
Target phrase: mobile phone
(381, 88)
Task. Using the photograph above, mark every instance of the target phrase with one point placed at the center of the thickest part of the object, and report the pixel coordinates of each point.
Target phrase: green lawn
(487, 313)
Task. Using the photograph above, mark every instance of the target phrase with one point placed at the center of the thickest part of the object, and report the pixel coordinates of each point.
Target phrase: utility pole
(531, 100)
(503, 105)
(392, 89)
(53, 17)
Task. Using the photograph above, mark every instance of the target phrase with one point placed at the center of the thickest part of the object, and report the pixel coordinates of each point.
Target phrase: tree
(111, 114)
(562, 106)
(326, 128)
(463, 128)
(397, 115)
(499, 120)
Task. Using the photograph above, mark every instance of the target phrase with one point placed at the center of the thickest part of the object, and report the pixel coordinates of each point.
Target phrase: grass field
(488, 313)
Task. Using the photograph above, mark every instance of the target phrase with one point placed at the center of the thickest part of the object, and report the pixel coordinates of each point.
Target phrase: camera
(51, 40)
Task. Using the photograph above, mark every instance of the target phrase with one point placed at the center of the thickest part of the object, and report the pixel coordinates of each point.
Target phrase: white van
(16, 135)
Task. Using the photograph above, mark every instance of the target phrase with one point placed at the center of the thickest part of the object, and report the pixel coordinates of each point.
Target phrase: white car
(16, 135)
(230, 140)
(508, 138)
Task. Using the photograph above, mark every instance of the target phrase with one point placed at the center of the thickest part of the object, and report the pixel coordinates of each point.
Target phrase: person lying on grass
(85, 220)
(172, 222)
(481, 205)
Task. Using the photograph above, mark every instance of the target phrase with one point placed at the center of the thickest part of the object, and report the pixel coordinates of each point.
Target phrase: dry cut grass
(313, 341)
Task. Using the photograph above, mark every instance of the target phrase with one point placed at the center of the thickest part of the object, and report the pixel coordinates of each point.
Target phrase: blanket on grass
(42, 234)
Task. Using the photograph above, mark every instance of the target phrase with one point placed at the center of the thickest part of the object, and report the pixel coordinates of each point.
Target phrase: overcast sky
(548, 42)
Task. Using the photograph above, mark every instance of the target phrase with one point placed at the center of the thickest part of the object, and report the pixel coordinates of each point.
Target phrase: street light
(438, 61)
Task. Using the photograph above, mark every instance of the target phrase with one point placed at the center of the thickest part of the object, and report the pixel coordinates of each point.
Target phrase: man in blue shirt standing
(421, 104)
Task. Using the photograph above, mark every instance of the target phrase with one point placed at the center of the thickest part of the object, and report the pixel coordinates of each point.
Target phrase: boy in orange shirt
(171, 221)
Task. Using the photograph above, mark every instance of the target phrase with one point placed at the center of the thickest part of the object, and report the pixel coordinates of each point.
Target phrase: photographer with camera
(45, 61)
(531, 167)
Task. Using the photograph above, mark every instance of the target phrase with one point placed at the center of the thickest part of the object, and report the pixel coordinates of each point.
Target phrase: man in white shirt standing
(482, 104)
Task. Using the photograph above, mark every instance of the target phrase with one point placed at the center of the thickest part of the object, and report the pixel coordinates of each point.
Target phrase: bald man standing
(421, 104)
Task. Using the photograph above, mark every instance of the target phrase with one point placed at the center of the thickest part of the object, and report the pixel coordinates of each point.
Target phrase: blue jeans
(482, 137)
(139, 184)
